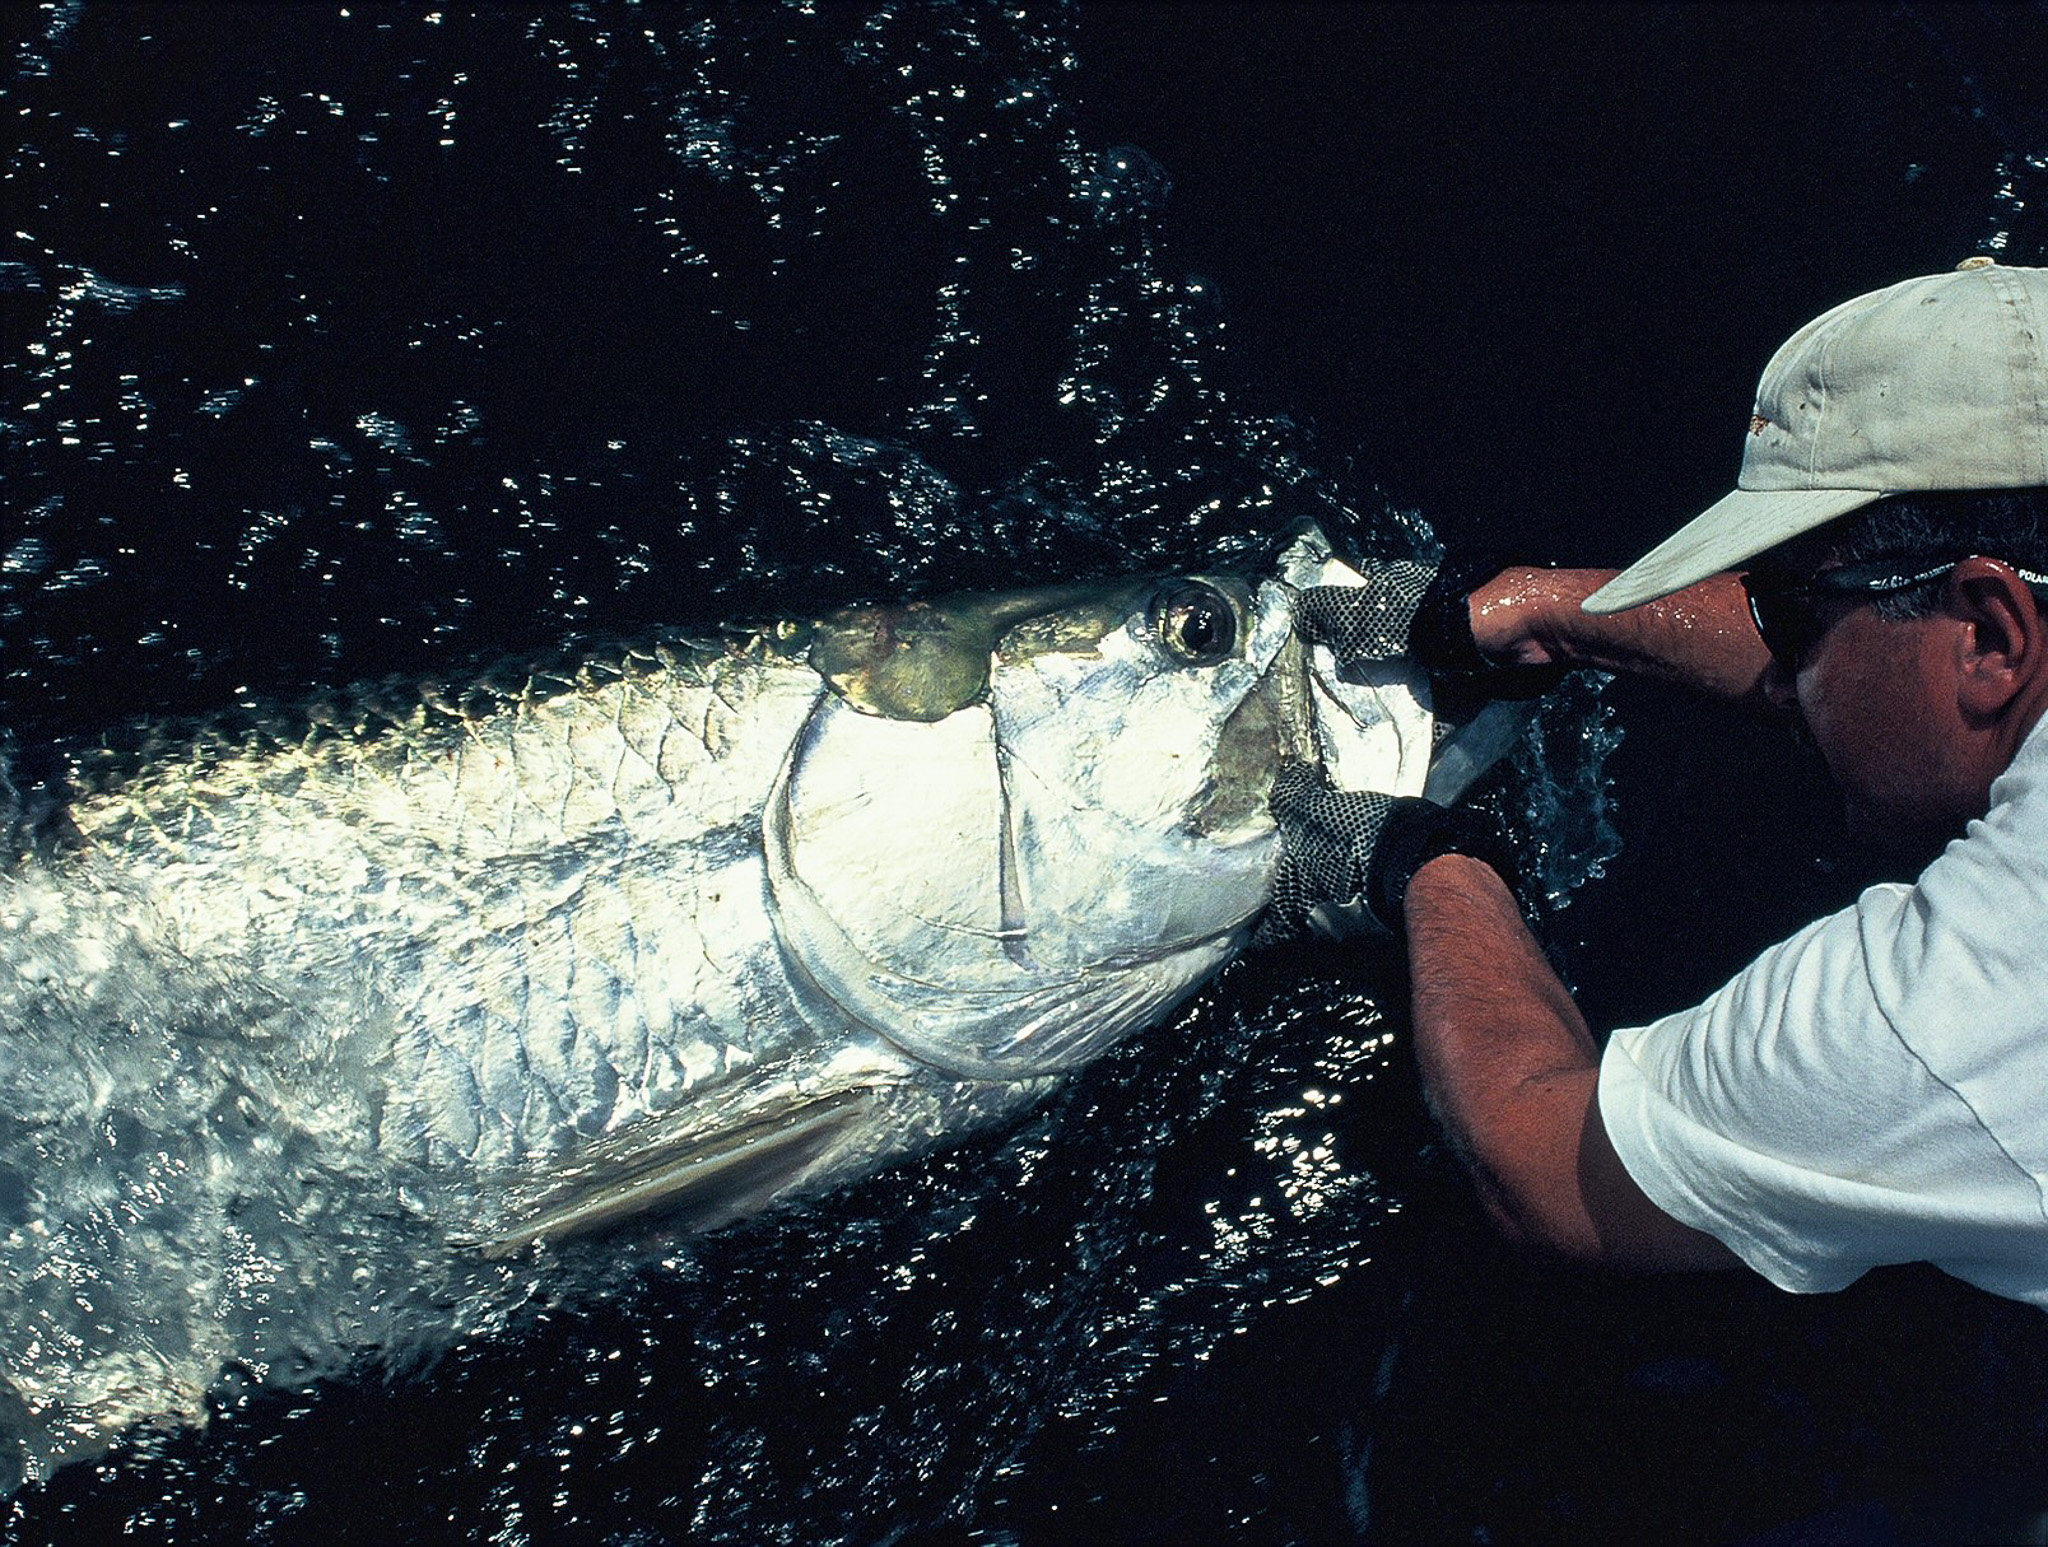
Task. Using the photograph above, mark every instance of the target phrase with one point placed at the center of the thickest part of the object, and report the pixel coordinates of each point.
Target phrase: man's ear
(2005, 643)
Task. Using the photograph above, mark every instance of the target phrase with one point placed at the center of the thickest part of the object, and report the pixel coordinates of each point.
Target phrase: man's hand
(1409, 608)
(1347, 856)
(1327, 839)
(1514, 633)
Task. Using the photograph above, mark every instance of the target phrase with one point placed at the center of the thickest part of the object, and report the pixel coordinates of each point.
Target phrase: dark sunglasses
(1787, 615)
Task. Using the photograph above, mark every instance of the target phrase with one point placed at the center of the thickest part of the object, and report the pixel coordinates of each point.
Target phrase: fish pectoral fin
(674, 1166)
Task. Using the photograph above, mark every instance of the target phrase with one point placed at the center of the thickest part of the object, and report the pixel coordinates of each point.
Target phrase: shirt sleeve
(1789, 1117)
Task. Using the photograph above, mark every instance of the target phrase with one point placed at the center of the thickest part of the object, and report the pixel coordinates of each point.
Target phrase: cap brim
(1739, 526)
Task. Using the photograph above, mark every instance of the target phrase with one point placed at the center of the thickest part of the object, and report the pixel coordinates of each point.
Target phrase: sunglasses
(1788, 613)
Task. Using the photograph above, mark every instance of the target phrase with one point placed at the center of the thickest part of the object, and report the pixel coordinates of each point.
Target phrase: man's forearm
(1701, 638)
(1512, 1074)
(1498, 1039)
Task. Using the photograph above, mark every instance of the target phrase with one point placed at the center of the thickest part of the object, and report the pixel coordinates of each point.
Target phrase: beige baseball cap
(1934, 383)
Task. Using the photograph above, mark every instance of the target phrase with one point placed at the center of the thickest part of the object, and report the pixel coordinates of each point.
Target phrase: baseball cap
(1933, 383)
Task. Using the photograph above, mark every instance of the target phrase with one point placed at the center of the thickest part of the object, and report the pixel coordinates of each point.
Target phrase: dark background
(1527, 261)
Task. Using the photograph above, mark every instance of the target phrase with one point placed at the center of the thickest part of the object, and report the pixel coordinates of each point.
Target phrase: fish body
(678, 933)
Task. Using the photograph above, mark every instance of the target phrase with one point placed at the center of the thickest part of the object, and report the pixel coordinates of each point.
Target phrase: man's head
(1912, 639)
(1890, 507)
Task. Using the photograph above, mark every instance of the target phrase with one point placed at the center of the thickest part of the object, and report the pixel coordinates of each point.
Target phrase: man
(1874, 1089)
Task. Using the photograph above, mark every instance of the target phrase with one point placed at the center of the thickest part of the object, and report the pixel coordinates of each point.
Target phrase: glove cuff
(1441, 635)
(1418, 831)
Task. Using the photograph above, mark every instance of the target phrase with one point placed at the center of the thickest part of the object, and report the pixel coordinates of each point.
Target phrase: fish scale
(489, 846)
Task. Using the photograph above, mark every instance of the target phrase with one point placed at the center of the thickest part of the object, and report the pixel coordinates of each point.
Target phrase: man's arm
(1511, 1072)
(1700, 638)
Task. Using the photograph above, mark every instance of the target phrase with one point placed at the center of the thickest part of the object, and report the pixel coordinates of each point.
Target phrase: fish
(672, 935)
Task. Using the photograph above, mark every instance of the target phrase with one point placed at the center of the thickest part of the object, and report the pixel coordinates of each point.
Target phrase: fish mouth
(1289, 685)
(1364, 725)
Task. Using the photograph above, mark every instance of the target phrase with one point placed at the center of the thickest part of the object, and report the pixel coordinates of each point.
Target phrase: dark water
(349, 340)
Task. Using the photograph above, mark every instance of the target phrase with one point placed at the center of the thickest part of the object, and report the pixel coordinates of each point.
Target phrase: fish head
(1023, 825)
(1139, 736)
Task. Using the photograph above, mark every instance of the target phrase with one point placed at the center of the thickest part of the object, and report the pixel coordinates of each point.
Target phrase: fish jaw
(1368, 725)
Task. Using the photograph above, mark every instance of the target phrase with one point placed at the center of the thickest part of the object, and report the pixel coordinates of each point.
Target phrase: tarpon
(688, 929)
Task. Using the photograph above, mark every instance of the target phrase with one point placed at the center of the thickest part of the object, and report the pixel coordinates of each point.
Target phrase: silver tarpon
(674, 935)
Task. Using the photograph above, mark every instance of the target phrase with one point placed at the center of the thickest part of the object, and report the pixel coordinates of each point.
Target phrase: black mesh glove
(1408, 608)
(1347, 856)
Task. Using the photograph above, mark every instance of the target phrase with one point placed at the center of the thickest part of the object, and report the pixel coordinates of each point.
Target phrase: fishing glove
(1409, 608)
(1347, 856)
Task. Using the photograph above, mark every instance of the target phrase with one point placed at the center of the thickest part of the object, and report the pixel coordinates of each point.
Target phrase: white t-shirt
(1875, 1089)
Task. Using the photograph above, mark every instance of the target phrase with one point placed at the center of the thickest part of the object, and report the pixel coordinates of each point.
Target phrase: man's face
(1877, 697)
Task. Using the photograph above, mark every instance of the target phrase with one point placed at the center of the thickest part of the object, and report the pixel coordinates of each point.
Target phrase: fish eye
(1196, 623)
